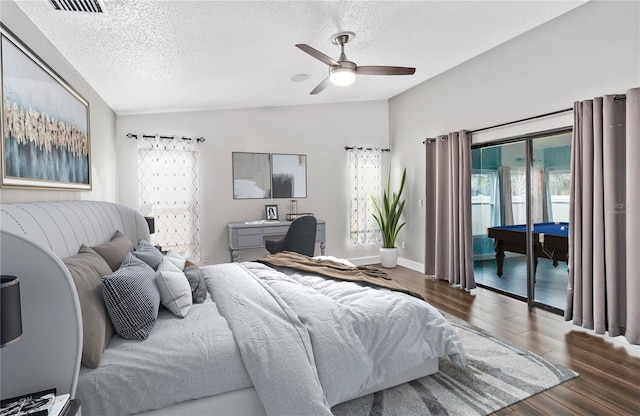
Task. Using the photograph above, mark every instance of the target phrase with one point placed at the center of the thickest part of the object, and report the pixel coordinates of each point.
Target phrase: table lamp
(11, 315)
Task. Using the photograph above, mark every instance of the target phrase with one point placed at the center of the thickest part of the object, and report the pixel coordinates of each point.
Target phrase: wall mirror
(289, 176)
(251, 175)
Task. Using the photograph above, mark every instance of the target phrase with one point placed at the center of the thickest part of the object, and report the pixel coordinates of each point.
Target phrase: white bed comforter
(309, 343)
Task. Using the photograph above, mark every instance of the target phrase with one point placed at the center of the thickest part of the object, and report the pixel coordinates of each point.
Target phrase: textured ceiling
(147, 56)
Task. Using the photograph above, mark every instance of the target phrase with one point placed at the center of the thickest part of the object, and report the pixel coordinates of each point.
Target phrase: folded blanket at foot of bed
(309, 343)
(337, 270)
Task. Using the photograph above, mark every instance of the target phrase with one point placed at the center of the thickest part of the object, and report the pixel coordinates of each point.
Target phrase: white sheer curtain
(168, 191)
(365, 182)
(449, 248)
(604, 211)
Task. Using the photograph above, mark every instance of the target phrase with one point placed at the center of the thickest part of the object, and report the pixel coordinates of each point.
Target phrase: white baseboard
(409, 264)
(363, 261)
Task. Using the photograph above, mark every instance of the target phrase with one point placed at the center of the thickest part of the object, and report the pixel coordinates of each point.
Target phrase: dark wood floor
(609, 381)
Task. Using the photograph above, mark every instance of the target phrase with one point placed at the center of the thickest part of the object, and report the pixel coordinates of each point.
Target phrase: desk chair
(300, 238)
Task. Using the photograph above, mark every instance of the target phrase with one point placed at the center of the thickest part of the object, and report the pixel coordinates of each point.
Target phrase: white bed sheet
(183, 359)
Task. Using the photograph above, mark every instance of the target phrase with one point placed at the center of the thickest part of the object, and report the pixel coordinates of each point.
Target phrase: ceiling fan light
(343, 76)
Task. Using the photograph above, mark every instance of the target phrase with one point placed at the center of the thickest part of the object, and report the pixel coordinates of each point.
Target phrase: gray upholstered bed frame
(34, 238)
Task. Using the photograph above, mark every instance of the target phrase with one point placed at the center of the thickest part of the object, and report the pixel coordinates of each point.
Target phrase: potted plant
(388, 219)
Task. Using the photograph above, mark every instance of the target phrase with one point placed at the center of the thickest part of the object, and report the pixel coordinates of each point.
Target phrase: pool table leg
(500, 262)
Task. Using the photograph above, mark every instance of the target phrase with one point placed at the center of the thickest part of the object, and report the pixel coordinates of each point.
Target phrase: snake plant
(388, 218)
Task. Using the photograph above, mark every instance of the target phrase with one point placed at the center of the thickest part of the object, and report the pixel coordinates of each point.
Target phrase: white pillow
(175, 290)
(176, 259)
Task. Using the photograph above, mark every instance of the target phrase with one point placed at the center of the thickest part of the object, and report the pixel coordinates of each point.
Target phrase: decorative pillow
(148, 254)
(87, 269)
(115, 250)
(176, 259)
(132, 298)
(196, 281)
(175, 292)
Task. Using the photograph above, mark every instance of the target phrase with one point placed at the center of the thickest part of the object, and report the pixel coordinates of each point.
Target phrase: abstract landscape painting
(45, 124)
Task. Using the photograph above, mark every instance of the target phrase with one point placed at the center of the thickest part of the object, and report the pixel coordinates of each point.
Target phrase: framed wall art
(45, 123)
(289, 176)
(251, 175)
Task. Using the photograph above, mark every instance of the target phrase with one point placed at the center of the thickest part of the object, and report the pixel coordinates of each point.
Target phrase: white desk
(251, 235)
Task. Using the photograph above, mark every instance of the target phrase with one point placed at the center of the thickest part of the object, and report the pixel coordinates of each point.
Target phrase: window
(519, 195)
(485, 201)
(168, 191)
(559, 186)
(365, 179)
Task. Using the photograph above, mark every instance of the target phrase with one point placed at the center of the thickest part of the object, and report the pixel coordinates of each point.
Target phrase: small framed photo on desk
(271, 212)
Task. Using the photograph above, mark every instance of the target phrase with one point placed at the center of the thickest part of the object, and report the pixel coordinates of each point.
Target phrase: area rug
(498, 374)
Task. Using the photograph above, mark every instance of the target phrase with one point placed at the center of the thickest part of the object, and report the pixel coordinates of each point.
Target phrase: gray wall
(318, 131)
(102, 118)
(590, 51)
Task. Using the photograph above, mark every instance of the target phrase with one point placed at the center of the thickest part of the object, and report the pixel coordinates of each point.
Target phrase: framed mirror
(289, 175)
(251, 175)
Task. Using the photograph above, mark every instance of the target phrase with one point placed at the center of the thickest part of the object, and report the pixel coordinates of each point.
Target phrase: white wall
(319, 131)
(590, 51)
(102, 118)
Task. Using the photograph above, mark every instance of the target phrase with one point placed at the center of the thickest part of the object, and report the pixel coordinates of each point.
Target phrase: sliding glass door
(520, 213)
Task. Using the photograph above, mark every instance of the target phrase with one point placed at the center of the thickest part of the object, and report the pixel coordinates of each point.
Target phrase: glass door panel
(550, 180)
(498, 189)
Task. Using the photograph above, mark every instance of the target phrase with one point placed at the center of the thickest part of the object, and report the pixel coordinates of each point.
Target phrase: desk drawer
(280, 230)
(246, 241)
(249, 231)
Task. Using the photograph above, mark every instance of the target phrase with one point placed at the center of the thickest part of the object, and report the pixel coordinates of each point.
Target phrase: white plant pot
(389, 257)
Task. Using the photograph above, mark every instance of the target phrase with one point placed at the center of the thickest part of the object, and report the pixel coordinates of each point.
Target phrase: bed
(266, 340)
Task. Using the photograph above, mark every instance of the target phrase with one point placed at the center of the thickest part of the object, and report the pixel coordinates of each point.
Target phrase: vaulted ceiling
(147, 56)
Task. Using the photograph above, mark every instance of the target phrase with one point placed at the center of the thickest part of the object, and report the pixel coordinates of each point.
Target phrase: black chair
(300, 238)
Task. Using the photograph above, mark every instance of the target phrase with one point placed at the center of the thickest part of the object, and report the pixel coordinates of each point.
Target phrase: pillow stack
(121, 289)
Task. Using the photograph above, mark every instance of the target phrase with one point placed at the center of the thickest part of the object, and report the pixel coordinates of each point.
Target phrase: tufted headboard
(34, 238)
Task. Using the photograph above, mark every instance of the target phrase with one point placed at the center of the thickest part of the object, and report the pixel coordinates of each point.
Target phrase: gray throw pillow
(132, 298)
(196, 281)
(115, 250)
(148, 254)
(86, 269)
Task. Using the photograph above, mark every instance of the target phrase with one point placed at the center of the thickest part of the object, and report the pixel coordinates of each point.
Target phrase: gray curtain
(540, 209)
(604, 230)
(449, 250)
(506, 205)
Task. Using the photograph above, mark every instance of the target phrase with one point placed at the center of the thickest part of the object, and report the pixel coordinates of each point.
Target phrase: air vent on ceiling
(89, 6)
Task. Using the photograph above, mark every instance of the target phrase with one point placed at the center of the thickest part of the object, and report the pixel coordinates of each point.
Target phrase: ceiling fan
(343, 71)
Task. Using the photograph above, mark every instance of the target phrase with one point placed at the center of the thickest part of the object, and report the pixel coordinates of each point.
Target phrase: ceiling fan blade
(318, 55)
(321, 86)
(385, 70)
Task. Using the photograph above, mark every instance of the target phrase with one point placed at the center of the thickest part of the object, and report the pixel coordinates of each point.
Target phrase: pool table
(550, 240)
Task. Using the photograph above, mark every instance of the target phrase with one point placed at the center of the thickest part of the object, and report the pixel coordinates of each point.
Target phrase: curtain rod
(564, 110)
(366, 148)
(158, 136)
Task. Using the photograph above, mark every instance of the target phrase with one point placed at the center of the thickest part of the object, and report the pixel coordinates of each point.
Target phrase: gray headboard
(34, 238)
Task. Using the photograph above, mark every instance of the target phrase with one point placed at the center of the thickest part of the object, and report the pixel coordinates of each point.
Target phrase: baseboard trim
(364, 261)
(409, 264)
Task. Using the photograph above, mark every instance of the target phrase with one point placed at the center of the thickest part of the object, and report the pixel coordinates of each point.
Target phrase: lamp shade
(151, 222)
(11, 315)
